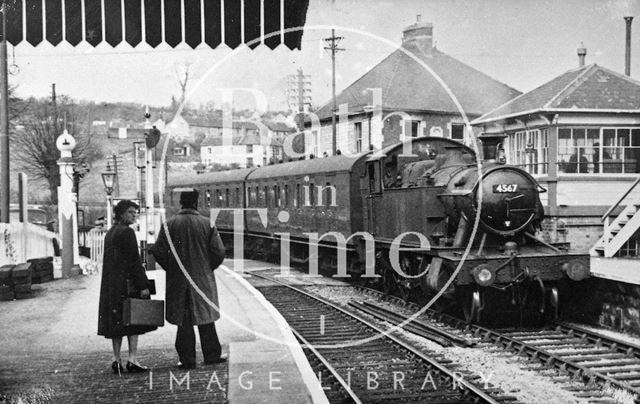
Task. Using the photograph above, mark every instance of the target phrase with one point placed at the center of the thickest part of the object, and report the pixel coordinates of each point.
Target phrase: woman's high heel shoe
(117, 368)
(133, 368)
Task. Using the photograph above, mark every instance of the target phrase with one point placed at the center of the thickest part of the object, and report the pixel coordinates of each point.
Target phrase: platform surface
(50, 349)
(616, 269)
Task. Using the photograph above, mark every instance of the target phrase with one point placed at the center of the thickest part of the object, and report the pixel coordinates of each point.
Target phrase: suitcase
(143, 312)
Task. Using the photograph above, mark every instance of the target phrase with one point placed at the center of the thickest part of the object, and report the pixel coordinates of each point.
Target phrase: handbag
(132, 291)
(145, 312)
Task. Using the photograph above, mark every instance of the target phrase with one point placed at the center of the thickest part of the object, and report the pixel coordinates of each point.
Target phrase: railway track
(584, 354)
(361, 366)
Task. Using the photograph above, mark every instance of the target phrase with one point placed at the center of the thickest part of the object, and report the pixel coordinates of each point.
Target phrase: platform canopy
(193, 22)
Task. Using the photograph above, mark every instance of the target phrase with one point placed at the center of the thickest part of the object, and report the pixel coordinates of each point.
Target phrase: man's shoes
(220, 359)
(186, 366)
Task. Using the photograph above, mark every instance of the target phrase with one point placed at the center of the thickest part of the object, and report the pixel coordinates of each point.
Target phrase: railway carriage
(424, 197)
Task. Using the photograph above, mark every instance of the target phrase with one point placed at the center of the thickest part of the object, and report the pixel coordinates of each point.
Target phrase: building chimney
(419, 35)
(627, 49)
(582, 53)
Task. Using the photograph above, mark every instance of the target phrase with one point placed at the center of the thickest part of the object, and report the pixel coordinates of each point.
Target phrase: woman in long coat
(121, 263)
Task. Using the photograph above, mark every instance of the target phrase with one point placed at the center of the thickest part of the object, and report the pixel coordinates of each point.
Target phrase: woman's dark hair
(123, 206)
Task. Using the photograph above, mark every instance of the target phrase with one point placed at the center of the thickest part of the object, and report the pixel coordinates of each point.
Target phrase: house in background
(248, 150)
(579, 135)
(399, 98)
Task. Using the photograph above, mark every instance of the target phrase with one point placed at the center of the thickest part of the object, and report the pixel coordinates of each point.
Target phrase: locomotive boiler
(420, 217)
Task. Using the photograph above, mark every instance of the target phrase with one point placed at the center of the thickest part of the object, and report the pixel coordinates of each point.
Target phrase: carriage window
(276, 196)
(285, 197)
(237, 197)
(329, 195)
(258, 197)
(312, 193)
(226, 197)
(296, 196)
(208, 198)
(267, 200)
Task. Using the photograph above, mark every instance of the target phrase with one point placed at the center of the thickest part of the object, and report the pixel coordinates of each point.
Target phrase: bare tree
(33, 143)
(183, 73)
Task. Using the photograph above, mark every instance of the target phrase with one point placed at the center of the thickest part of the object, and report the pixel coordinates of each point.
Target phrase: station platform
(50, 350)
(616, 269)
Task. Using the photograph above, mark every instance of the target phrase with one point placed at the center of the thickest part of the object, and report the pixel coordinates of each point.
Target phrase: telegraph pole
(334, 41)
(4, 123)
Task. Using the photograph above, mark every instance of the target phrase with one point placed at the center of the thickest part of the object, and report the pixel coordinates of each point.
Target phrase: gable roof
(407, 86)
(591, 87)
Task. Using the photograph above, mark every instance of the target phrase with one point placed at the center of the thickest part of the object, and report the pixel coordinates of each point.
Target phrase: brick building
(400, 97)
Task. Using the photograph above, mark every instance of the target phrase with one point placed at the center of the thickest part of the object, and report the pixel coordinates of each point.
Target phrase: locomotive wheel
(402, 285)
(387, 281)
(553, 304)
(472, 306)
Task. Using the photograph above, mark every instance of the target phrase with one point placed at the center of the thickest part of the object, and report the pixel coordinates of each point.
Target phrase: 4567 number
(505, 188)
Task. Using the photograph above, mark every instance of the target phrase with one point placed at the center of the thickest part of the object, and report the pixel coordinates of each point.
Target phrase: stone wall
(606, 303)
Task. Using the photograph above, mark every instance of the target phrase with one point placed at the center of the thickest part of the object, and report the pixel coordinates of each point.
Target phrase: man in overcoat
(200, 250)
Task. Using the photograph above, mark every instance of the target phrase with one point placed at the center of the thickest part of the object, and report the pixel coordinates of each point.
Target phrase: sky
(520, 43)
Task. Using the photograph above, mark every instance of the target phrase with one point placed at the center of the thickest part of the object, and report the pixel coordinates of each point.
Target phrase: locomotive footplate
(501, 269)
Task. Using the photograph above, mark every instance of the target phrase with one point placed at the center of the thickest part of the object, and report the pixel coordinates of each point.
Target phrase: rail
(465, 386)
(611, 209)
(20, 242)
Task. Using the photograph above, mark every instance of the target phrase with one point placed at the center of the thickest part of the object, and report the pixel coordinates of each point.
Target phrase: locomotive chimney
(419, 35)
(492, 147)
(627, 49)
(582, 52)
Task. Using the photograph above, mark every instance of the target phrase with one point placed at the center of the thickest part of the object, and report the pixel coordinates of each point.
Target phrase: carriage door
(373, 192)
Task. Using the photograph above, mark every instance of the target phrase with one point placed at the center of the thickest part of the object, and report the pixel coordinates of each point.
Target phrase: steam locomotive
(419, 217)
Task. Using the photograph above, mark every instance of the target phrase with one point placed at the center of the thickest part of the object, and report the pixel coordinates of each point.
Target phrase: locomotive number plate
(505, 188)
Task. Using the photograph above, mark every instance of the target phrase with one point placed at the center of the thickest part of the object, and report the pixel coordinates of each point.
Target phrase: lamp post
(67, 208)
(107, 179)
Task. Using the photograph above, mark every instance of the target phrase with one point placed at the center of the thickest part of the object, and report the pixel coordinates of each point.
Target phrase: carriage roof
(217, 177)
(304, 167)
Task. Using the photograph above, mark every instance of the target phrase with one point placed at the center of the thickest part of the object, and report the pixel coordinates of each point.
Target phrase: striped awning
(194, 22)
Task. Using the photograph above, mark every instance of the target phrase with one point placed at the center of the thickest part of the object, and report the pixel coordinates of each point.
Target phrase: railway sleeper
(625, 377)
(588, 358)
(608, 362)
(574, 352)
(552, 343)
(612, 370)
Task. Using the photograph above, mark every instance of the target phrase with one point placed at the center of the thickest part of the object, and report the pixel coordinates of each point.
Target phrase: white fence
(22, 241)
(94, 239)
